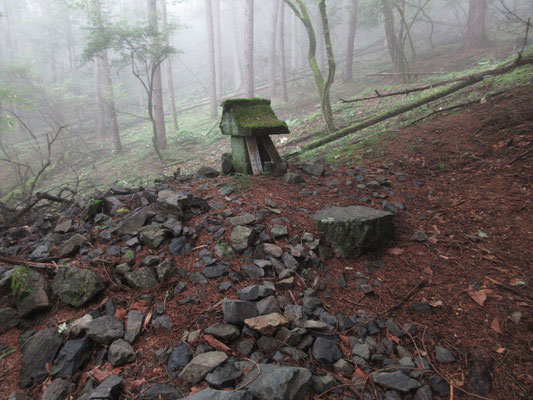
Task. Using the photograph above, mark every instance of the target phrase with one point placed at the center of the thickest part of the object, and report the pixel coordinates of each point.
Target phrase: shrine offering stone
(355, 229)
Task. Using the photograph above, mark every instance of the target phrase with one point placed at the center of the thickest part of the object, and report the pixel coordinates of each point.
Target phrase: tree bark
(272, 52)
(168, 64)
(390, 32)
(475, 26)
(283, 66)
(237, 64)
(352, 28)
(109, 102)
(211, 59)
(249, 48)
(100, 110)
(326, 103)
(218, 48)
(157, 93)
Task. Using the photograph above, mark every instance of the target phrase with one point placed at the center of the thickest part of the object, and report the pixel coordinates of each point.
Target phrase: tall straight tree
(272, 53)
(211, 58)
(249, 48)
(98, 97)
(283, 66)
(235, 50)
(168, 64)
(218, 47)
(352, 28)
(104, 86)
(475, 26)
(157, 95)
(323, 86)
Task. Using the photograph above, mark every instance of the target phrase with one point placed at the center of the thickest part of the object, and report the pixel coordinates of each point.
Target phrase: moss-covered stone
(250, 117)
(76, 286)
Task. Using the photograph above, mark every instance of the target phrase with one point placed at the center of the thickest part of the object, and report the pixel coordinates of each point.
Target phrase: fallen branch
(525, 153)
(405, 73)
(465, 82)
(411, 293)
(255, 377)
(18, 262)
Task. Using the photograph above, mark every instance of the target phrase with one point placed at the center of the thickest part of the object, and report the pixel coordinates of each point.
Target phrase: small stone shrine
(250, 122)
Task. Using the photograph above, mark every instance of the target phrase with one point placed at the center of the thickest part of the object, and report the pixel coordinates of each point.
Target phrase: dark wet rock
(242, 237)
(160, 391)
(173, 225)
(109, 389)
(420, 236)
(150, 261)
(133, 325)
(268, 305)
(144, 278)
(113, 251)
(289, 262)
(236, 311)
(292, 178)
(165, 271)
(106, 329)
(224, 250)
(134, 221)
(279, 382)
(79, 326)
(63, 224)
(326, 351)
(424, 393)
(355, 229)
(439, 386)
(443, 355)
(362, 350)
(39, 350)
(72, 357)
(215, 271)
(41, 252)
(196, 277)
(18, 396)
(272, 250)
(212, 394)
(223, 287)
(479, 372)
(313, 169)
(71, 246)
(152, 237)
(422, 308)
(179, 246)
(396, 380)
(59, 389)
(201, 365)
(392, 395)
(394, 328)
(207, 172)
(9, 318)
(76, 286)
(253, 272)
(225, 375)
(255, 292)
(323, 383)
(179, 358)
(278, 231)
(227, 163)
(120, 352)
(29, 289)
(224, 332)
(162, 322)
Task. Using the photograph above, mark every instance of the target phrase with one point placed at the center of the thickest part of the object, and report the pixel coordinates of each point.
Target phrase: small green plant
(442, 166)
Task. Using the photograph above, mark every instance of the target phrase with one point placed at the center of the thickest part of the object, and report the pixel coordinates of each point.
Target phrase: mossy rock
(76, 286)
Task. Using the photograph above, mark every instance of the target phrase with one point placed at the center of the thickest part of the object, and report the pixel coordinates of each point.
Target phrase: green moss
(18, 281)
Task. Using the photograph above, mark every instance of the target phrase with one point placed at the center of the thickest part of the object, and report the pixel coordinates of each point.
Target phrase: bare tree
(352, 28)
(168, 64)
(237, 63)
(272, 53)
(211, 58)
(283, 67)
(158, 89)
(218, 47)
(100, 111)
(249, 48)
(475, 26)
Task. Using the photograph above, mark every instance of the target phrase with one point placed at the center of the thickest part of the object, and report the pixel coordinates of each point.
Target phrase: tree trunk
(237, 64)
(475, 26)
(249, 48)
(326, 103)
(283, 67)
(100, 110)
(211, 59)
(218, 48)
(272, 52)
(168, 63)
(390, 32)
(109, 102)
(157, 95)
(352, 28)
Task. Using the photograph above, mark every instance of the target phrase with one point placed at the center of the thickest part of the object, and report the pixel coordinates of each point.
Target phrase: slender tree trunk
(100, 110)
(475, 26)
(237, 64)
(272, 52)
(159, 113)
(211, 59)
(249, 48)
(109, 102)
(70, 43)
(168, 64)
(283, 67)
(294, 50)
(352, 28)
(390, 32)
(326, 103)
(218, 48)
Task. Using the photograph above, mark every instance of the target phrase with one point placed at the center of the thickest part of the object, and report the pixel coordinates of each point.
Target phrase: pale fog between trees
(94, 92)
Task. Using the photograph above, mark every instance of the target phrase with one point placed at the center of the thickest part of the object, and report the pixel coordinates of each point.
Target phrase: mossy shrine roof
(250, 117)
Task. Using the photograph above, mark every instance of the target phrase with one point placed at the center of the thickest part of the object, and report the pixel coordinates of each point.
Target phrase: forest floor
(464, 179)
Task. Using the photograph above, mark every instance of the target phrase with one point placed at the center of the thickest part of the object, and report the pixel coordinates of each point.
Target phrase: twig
(405, 73)
(525, 153)
(255, 377)
(419, 286)
(509, 289)
(15, 261)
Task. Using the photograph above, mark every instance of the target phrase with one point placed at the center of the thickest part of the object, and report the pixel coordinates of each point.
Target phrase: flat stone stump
(354, 230)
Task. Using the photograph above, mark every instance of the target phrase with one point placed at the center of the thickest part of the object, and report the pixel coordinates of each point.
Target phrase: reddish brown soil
(476, 177)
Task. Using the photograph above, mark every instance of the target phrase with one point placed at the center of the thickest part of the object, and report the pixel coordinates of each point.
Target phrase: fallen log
(446, 91)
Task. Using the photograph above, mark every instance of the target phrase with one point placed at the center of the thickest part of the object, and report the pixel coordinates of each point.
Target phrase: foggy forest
(266, 199)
